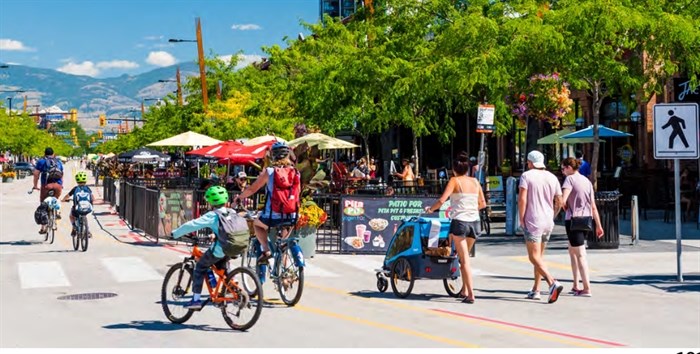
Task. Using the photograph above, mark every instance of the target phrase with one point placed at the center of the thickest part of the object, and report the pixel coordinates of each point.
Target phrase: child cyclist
(217, 197)
(82, 200)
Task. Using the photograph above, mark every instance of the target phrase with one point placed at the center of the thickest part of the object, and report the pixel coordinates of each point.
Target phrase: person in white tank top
(466, 199)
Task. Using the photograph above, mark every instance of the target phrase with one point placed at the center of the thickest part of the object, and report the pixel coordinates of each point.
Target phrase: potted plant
(309, 219)
(505, 167)
(8, 176)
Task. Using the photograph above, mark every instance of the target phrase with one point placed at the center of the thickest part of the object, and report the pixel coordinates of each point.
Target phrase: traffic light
(99, 133)
(74, 115)
(72, 131)
(103, 120)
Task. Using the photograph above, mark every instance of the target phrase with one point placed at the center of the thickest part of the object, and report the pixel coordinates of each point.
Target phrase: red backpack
(286, 186)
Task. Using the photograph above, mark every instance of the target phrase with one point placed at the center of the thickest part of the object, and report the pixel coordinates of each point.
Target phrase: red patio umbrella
(221, 150)
(246, 154)
(3, 159)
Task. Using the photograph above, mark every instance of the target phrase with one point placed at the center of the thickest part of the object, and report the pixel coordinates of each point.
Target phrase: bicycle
(80, 238)
(51, 226)
(485, 221)
(288, 263)
(226, 294)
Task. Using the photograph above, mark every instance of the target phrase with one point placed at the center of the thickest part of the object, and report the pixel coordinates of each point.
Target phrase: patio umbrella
(189, 138)
(603, 132)
(557, 138)
(263, 139)
(144, 154)
(220, 150)
(323, 142)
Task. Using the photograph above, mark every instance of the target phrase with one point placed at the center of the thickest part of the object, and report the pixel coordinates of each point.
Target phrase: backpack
(53, 171)
(41, 215)
(233, 232)
(286, 186)
(81, 200)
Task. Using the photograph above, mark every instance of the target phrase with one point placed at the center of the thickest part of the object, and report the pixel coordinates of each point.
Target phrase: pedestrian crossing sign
(676, 131)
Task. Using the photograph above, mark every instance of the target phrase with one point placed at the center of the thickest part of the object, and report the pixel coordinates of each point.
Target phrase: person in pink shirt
(539, 200)
(578, 201)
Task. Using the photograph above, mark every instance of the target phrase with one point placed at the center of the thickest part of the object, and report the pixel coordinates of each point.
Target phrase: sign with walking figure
(676, 131)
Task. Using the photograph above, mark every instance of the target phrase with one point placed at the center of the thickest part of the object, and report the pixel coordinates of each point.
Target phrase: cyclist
(50, 171)
(217, 197)
(82, 200)
(282, 186)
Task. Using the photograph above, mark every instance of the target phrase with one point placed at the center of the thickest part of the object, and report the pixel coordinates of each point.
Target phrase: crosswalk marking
(41, 275)
(130, 269)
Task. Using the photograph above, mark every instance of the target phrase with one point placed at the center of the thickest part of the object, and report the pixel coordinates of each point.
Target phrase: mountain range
(116, 97)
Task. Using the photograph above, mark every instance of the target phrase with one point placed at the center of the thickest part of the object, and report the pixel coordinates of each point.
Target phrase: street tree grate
(87, 296)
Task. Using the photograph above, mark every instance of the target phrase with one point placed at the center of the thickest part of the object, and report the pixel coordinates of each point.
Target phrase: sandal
(468, 300)
(264, 257)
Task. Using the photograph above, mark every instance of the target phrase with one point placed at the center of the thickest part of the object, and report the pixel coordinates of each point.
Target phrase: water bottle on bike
(212, 278)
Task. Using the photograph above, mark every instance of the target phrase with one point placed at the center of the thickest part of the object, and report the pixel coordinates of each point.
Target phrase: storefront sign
(174, 209)
(684, 92)
(368, 224)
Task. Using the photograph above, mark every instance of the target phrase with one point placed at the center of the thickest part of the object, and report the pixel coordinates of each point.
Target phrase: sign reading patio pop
(676, 131)
(484, 120)
(368, 224)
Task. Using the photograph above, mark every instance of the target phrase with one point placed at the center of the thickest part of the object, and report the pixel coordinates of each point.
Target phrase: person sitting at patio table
(361, 170)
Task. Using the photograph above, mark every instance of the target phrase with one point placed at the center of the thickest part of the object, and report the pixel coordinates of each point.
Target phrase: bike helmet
(81, 177)
(216, 195)
(279, 150)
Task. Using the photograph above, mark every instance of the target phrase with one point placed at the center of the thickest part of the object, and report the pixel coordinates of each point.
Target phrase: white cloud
(87, 68)
(246, 27)
(163, 45)
(117, 64)
(13, 45)
(243, 59)
(160, 58)
(153, 38)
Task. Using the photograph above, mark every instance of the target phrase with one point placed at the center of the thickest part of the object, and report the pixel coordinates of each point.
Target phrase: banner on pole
(484, 120)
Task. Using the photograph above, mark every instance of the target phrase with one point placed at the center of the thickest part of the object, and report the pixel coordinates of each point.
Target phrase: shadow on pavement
(668, 283)
(162, 326)
(20, 243)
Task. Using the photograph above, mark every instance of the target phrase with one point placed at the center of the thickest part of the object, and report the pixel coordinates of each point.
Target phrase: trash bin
(608, 204)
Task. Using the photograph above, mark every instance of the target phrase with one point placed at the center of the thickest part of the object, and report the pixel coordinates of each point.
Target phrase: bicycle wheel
(83, 234)
(290, 278)
(249, 260)
(241, 307)
(176, 292)
(75, 237)
(402, 276)
(453, 286)
(485, 223)
(51, 230)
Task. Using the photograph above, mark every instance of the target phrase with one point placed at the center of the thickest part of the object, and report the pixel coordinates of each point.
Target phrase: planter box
(307, 241)
(7, 179)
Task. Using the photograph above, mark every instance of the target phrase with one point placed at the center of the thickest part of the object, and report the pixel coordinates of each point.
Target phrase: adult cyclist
(50, 171)
(281, 204)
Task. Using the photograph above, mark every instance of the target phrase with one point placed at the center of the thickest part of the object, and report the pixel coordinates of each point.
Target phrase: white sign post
(677, 136)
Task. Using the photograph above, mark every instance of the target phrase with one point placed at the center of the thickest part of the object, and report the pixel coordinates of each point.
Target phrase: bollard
(634, 217)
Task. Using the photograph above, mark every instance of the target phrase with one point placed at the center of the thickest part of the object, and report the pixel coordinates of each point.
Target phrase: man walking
(585, 168)
(539, 200)
(50, 171)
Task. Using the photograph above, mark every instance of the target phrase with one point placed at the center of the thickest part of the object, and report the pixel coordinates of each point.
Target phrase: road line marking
(130, 269)
(531, 328)
(428, 311)
(41, 275)
(401, 330)
(549, 264)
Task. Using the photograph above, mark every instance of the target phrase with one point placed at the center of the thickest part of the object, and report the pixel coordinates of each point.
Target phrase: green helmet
(81, 177)
(216, 195)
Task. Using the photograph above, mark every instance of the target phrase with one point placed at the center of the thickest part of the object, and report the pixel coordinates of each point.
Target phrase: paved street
(636, 303)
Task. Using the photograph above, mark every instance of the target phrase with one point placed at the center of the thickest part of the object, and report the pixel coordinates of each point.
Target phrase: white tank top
(465, 204)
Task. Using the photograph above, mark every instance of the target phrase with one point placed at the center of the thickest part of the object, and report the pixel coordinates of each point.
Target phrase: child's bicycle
(239, 307)
(80, 239)
(287, 269)
(54, 206)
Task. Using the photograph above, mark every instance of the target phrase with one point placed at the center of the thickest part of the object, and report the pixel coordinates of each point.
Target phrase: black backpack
(53, 171)
(41, 215)
(233, 232)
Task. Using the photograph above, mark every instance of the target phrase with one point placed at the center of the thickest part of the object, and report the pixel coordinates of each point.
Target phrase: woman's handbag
(581, 223)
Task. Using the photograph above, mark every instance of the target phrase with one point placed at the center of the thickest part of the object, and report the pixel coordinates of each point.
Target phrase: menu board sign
(175, 207)
(368, 224)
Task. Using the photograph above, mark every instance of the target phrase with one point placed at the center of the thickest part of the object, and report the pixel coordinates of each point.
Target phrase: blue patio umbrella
(603, 132)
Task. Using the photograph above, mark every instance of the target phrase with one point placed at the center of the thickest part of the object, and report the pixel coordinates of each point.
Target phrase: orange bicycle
(240, 307)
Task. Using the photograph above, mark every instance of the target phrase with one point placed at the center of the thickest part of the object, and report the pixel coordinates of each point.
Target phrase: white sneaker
(534, 295)
(554, 291)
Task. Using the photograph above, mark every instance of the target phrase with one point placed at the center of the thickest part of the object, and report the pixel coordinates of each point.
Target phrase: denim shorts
(471, 229)
(275, 222)
(543, 237)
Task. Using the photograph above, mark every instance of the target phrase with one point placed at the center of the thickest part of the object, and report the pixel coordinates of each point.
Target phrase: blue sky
(107, 38)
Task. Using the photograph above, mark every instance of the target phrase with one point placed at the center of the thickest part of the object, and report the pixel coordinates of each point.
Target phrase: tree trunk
(597, 102)
(532, 133)
(415, 153)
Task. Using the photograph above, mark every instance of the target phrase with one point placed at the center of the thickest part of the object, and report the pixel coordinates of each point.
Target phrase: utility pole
(202, 71)
(179, 87)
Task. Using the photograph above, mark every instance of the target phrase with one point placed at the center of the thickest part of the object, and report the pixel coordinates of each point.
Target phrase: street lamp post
(636, 118)
(10, 98)
(179, 86)
(200, 55)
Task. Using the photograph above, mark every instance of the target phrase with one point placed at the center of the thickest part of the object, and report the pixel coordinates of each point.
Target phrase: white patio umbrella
(263, 139)
(323, 142)
(189, 138)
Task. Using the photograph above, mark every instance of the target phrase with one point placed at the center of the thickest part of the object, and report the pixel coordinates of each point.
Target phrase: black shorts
(576, 238)
(470, 229)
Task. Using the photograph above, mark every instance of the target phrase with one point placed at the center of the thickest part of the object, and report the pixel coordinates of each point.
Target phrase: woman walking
(579, 203)
(466, 199)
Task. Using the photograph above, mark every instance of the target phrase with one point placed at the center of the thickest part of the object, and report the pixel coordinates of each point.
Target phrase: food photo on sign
(368, 224)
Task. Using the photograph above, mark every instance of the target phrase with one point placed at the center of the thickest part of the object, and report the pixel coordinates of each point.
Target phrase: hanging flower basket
(545, 98)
